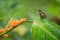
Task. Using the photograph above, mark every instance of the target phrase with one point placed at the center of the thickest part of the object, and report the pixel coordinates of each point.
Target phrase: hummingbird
(42, 14)
(53, 19)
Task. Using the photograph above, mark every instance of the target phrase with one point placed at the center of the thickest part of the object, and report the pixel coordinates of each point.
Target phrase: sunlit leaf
(43, 29)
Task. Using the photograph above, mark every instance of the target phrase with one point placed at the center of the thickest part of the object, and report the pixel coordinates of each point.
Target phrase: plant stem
(12, 29)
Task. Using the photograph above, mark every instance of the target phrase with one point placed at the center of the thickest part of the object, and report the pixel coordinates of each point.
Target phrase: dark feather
(42, 14)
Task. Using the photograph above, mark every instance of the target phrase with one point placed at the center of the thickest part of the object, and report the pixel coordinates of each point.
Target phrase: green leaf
(43, 29)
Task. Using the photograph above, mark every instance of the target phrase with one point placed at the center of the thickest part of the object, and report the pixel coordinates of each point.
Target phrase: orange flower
(5, 36)
(6, 27)
(1, 30)
(13, 23)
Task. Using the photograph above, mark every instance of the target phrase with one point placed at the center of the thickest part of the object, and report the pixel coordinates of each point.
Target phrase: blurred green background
(18, 9)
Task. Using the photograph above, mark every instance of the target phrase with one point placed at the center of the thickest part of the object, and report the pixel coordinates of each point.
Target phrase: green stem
(12, 29)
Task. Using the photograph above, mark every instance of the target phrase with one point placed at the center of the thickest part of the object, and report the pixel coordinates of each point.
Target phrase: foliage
(26, 9)
(43, 29)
